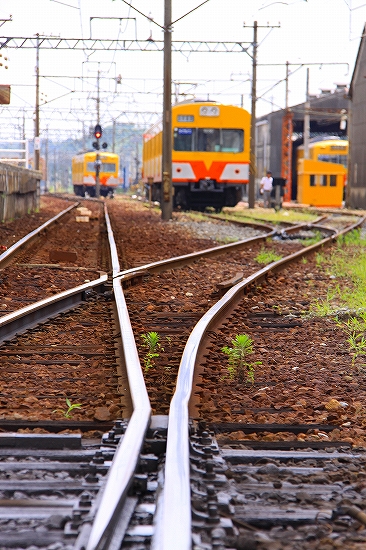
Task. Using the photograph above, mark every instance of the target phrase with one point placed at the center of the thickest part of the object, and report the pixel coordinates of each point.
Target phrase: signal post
(98, 132)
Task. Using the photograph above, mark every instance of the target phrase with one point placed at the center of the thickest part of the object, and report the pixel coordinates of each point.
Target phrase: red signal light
(98, 131)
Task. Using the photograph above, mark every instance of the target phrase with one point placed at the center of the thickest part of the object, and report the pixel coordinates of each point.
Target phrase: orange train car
(210, 156)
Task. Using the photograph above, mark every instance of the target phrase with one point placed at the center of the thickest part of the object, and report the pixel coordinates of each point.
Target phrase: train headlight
(210, 110)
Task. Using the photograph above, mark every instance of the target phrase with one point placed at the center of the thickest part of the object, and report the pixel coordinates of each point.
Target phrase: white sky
(314, 31)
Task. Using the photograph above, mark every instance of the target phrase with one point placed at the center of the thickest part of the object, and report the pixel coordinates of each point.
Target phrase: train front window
(105, 167)
(223, 141)
(183, 139)
(232, 141)
(212, 140)
(208, 139)
(108, 167)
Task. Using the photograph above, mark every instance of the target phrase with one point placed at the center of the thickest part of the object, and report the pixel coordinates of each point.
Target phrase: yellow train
(210, 157)
(84, 173)
(330, 149)
(321, 179)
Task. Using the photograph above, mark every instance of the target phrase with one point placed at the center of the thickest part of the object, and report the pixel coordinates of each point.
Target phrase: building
(356, 192)
(280, 133)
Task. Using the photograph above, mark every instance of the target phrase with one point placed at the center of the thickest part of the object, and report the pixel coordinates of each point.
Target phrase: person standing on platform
(266, 188)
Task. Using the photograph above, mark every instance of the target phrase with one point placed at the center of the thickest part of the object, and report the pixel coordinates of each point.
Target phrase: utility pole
(46, 163)
(287, 129)
(253, 161)
(137, 163)
(307, 118)
(166, 191)
(54, 170)
(36, 123)
(83, 125)
(251, 194)
(97, 157)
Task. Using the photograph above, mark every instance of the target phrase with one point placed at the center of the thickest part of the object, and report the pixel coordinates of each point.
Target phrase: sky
(322, 35)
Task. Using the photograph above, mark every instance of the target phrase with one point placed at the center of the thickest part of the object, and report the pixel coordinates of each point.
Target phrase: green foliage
(326, 307)
(351, 238)
(290, 215)
(317, 237)
(67, 412)
(227, 240)
(319, 259)
(151, 341)
(267, 256)
(355, 329)
(239, 367)
(348, 262)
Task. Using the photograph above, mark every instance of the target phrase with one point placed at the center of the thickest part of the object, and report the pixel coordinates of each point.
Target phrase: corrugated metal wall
(356, 193)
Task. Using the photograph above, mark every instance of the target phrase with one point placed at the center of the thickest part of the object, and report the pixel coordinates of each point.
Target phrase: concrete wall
(19, 191)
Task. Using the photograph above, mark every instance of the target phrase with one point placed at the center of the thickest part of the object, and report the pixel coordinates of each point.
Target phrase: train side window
(183, 139)
(312, 180)
(323, 180)
(333, 180)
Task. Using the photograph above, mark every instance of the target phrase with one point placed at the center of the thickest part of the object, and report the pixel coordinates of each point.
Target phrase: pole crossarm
(56, 43)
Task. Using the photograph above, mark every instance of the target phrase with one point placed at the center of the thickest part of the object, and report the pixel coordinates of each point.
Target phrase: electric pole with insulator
(166, 191)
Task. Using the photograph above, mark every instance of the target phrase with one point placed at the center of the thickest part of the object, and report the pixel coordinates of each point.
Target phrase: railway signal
(98, 131)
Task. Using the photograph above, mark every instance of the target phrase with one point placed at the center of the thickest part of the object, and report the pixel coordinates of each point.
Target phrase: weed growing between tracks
(70, 407)
(267, 215)
(355, 328)
(151, 342)
(238, 364)
(267, 256)
(313, 240)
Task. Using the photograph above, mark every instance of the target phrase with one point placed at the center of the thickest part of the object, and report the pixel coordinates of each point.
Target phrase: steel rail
(7, 256)
(308, 227)
(125, 461)
(28, 317)
(175, 529)
(180, 261)
(124, 464)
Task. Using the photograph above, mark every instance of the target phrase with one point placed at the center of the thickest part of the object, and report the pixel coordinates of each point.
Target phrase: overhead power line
(56, 43)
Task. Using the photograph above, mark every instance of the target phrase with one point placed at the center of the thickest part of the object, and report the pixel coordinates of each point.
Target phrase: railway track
(152, 508)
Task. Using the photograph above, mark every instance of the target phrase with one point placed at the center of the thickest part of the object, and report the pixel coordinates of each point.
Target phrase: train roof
(327, 138)
(157, 126)
(326, 141)
(94, 152)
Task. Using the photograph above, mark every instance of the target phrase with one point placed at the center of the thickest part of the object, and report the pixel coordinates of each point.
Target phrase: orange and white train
(83, 173)
(210, 157)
